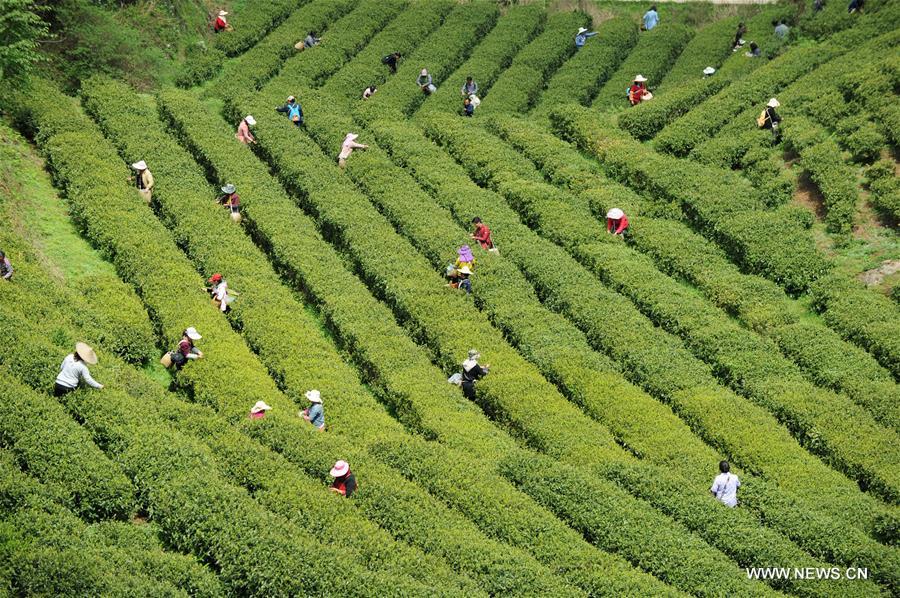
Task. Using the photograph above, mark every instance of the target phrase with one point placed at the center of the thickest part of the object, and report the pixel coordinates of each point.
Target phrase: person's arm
(86, 376)
(148, 181)
(714, 489)
(356, 145)
(283, 109)
(609, 225)
(623, 223)
(590, 34)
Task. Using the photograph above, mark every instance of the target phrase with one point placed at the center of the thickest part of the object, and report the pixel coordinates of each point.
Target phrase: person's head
(476, 220)
(372, 88)
(467, 101)
(653, 8)
(340, 469)
(312, 33)
(228, 189)
(775, 23)
(724, 467)
(291, 99)
(260, 408)
(84, 353)
(781, 22)
(398, 55)
(468, 79)
(424, 73)
(753, 47)
(314, 396)
(215, 278)
(2, 254)
(741, 25)
(250, 120)
(474, 354)
(191, 334)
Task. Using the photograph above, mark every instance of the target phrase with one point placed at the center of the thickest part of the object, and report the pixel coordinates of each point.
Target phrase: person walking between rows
(314, 414)
(6, 269)
(258, 411)
(143, 179)
(344, 480)
(221, 24)
(650, 19)
(425, 82)
(638, 92)
(482, 234)
(739, 37)
(582, 36)
(73, 371)
(292, 110)
(243, 131)
(231, 201)
(391, 61)
(472, 372)
(725, 486)
(347, 148)
(616, 222)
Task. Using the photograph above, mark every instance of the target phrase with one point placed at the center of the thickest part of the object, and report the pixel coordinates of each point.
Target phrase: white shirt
(221, 294)
(725, 488)
(71, 372)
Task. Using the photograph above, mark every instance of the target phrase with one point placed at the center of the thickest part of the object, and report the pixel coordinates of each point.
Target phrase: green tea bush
(343, 39)
(652, 57)
(582, 75)
(861, 138)
(440, 53)
(490, 58)
(252, 23)
(52, 446)
(517, 87)
(403, 35)
(252, 69)
(648, 118)
(201, 64)
(884, 189)
(710, 46)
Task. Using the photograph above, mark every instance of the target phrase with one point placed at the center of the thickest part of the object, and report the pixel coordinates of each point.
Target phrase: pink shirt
(243, 133)
(347, 149)
(259, 415)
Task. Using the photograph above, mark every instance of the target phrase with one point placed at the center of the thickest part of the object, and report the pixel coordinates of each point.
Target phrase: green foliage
(253, 22)
(20, 29)
(861, 137)
(200, 64)
(884, 188)
(648, 118)
(710, 46)
(652, 57)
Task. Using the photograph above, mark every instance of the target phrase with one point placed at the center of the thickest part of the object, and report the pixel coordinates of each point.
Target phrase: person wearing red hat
(344, 480)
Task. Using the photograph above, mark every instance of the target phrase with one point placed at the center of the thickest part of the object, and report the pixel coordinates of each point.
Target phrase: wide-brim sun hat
(474, 354)
(581, 30)
(641, 79)
(465, 270)
(86, 353)
(615, 213)
(260, 406)
(193, 334)
(229, 188)
(773, 103)
(250, 120)
(709, 70)
(222, 13)
(139, 165)
(341, 468)
(314, 396)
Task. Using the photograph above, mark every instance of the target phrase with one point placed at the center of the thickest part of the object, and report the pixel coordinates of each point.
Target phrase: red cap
(215, 277)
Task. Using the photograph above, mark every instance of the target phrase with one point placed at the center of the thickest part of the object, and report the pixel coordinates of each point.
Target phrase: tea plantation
(749, 313)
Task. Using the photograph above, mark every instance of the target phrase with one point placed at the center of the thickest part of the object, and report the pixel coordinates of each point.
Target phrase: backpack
(178, 359)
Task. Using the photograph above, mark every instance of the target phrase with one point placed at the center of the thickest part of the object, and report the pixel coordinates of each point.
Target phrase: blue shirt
(316, 415)
(582, 37)
(651, 18)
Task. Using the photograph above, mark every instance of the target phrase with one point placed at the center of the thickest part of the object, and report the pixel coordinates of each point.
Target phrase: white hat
(86, 353)
(229, 188)
(340, 469)
(709, 70)
(773, 103)
(291, 98)
(260, 406)
(351, 136)
(465, 270)
(474, 354)
(250, 120)
(139, 165)
(314, 396)
(222, 13)
(640, 78)
(193, 334)
(615, 213)
(581, 30)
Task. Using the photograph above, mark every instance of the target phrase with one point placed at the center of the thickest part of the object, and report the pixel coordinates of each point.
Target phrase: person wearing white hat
(769, 119)
(708, 71)
(258, 411)
(314, 414)
(73, 370)
(616, 222)
(186, 349)
(221, 24)
(638, 92)
(243, 131)
(581, 37)
(472, 373)
(231, 200)
(143, 180)
(425, 82)
(344, 480)
(349, 144)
